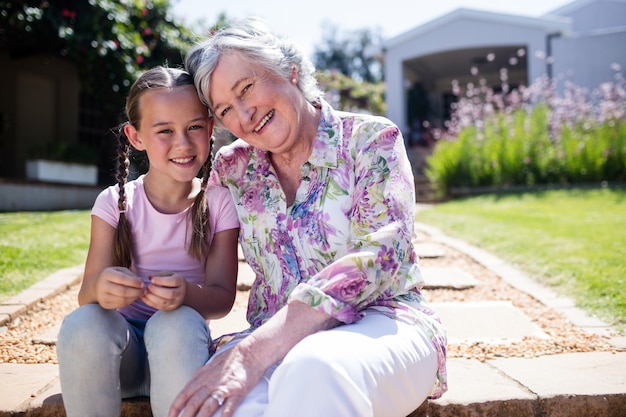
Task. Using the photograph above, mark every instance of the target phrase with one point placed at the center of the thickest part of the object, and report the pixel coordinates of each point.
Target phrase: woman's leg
(93, 345)
(375, 367)
(178, 345)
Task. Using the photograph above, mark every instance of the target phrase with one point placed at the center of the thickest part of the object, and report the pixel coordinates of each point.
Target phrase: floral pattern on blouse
(345, 244)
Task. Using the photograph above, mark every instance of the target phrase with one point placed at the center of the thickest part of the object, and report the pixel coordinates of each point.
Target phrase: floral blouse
(345, 244)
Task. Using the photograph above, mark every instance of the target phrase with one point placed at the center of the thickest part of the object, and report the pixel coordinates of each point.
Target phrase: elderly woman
(325, 199)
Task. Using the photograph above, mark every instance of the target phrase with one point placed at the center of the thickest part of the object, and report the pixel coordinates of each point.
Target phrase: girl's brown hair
(158, 77)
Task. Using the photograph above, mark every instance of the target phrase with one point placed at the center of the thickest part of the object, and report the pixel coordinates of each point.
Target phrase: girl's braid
(122, 250)
(200, 211)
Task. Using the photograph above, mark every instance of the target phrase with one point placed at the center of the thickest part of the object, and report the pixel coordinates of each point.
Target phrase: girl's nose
(183, 139)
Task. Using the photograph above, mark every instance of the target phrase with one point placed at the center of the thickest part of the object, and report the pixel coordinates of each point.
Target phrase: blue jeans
(104, 357)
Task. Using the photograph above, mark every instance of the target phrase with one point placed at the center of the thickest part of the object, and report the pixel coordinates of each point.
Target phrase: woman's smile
(264, 121)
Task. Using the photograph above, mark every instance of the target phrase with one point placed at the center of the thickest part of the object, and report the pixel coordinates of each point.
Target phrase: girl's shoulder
(132, 189)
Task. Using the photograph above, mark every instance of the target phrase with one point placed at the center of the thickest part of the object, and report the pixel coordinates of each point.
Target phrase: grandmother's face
(259, 107)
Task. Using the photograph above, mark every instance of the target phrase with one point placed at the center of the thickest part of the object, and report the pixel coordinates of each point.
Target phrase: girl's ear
(133, 137)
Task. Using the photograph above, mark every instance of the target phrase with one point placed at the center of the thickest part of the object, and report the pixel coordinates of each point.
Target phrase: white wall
(586, 61)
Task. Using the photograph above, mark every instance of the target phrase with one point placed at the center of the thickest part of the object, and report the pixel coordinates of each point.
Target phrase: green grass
(572, 240)
(36, 244)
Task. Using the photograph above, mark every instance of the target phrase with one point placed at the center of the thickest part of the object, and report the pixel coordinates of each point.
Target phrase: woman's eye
(223, 112)
(246, 88)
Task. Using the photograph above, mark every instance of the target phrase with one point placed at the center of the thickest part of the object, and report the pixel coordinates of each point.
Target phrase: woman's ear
(133, 137)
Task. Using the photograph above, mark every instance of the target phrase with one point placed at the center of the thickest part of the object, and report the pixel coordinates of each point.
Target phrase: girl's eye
(165, 131)
(195, 127)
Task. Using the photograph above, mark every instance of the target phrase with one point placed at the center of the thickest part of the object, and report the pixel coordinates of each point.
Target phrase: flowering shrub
(540, 134)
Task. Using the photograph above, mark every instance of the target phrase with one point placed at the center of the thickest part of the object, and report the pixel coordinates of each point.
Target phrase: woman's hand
(232, 374)
(166, 291)
(222, 383)
(118, 287)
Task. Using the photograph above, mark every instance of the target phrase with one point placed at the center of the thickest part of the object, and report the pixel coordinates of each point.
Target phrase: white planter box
(54, 171)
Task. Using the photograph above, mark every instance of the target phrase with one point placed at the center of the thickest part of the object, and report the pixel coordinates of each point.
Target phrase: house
(583, 42)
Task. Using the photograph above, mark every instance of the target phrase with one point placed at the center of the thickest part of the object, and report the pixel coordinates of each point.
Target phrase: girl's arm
(111, 287)
(216, 297)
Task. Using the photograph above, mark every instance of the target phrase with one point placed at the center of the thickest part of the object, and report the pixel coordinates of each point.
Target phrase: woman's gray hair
(252, 39)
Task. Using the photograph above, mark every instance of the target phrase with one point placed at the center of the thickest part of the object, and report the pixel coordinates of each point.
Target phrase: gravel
(21, 342)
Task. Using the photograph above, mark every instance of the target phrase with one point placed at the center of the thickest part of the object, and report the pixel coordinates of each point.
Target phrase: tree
(110, 42)
(345, 93)
(352, 53)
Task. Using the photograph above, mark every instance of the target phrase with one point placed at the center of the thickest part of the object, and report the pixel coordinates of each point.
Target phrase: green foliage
(351, 53)
(573, 240)
(351, 95)
(528, 145)
(36, 244)
(67, 152)
(110, 42)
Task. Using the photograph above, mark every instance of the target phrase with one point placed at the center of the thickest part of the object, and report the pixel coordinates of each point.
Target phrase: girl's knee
(90, 327)
(176, 328)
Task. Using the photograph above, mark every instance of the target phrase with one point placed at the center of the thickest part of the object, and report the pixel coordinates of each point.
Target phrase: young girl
(162, 260)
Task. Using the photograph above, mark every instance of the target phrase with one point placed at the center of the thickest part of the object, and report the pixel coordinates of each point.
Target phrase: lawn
(572, 240)
(35, 244)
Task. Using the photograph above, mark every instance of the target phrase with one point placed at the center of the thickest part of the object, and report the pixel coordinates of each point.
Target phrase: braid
(200, 212)
(122, 250)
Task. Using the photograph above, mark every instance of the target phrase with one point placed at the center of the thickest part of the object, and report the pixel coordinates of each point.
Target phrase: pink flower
(347, 284)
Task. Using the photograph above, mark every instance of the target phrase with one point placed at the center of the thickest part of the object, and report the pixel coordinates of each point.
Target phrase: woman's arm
(236, 371)
(378, 263)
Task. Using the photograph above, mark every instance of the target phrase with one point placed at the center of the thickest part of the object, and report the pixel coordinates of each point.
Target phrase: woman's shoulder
(233, 157)
(236, 149)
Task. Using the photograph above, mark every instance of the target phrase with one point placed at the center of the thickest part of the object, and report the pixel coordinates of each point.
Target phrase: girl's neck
(170, 197)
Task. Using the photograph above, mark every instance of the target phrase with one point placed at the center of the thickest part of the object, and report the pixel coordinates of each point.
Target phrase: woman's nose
(245, 111)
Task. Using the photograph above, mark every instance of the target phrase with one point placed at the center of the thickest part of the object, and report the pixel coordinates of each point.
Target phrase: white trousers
(376, 367)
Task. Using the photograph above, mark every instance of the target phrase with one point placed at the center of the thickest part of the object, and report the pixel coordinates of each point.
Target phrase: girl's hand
(118, 287)
(166, 291)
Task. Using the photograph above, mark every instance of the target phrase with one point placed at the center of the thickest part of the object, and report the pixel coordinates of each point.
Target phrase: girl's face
(174, 130)
(261, 108)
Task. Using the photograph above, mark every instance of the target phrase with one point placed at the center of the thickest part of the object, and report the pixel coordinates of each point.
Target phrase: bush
(533, 136)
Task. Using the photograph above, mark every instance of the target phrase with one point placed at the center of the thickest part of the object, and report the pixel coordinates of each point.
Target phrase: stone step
(494, 322)
(448, 277)
(429, 250)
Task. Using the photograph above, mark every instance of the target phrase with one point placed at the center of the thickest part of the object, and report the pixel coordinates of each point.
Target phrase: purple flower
(347, 284)
(251, 201)
(387, 261)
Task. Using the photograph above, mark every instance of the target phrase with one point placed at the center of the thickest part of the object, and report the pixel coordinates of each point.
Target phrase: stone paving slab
(50, 395)
(19, 383)
(245, 277)
(485, 321)
(234, 321)
(522, 282)
(53, 284)
(429, 250)
(487, 384)
(448, 277)
(569, 374)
